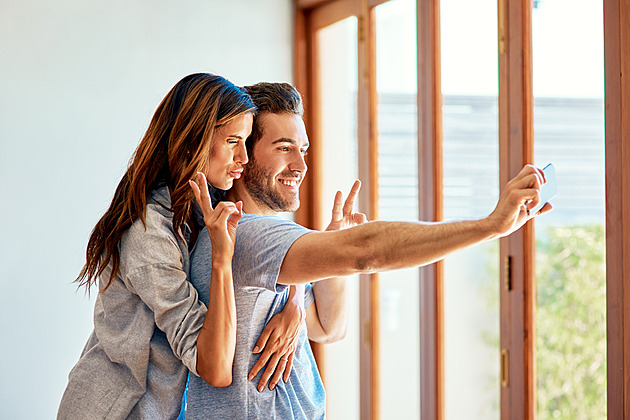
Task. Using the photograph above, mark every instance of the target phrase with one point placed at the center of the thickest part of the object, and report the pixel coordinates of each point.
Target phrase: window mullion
(517, 250)
(430, 207)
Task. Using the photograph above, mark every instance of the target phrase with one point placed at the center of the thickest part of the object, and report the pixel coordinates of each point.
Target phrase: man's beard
(259, 184)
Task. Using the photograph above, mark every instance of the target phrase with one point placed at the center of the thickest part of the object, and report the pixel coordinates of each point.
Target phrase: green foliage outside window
(571, 323)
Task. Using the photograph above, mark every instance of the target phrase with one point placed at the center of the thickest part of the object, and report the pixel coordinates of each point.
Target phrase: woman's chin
(224, 185)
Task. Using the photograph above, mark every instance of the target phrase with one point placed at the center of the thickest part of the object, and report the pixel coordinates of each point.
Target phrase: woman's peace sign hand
(220, 221)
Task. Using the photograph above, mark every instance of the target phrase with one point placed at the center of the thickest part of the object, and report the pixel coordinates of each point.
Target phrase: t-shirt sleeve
(261, 245)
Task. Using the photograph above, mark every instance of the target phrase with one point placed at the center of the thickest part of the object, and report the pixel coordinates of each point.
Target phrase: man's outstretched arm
(383, 246)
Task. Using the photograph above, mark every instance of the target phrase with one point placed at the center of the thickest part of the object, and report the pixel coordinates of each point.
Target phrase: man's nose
(241, 154)
(298, 163)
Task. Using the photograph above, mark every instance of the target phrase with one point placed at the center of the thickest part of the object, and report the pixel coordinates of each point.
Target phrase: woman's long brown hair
(175, 146)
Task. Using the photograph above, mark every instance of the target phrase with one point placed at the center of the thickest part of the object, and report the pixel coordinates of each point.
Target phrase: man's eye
(284, 149)
(304, 152)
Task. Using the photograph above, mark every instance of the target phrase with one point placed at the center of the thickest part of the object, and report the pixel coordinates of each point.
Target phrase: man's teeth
(288, 183)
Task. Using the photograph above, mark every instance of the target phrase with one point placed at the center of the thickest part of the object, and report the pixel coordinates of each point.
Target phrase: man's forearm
(329, 321)
(397, 245)
(377, 246)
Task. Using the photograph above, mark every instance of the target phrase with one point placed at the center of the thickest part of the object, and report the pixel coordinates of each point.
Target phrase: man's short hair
(273, 98)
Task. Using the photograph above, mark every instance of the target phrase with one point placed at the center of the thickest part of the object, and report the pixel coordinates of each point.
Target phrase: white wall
(79, 81)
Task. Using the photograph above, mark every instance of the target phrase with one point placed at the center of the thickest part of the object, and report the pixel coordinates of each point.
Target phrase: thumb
(236, 217)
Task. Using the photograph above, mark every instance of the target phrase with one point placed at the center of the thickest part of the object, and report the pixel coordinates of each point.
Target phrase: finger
(336, 211)
(545, 209)
(531, 181)
(360, 218)
(200, 189)
(264, 357)
(540, 177)
(260, 363)
(271, 367)
(527, 199)
(237, 216)
(288, 367)
(264, 336)
(533, 203)
(354, 191)
(533, 170)
(223, 211)
(280, 369)
(196, 190)
(541, 174)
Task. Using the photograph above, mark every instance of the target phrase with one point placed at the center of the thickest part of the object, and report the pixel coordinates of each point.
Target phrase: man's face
(276, 168)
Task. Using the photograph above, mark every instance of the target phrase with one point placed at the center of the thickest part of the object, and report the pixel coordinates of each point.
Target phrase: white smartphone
(549, 189)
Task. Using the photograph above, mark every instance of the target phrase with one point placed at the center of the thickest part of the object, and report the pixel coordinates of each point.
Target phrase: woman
(147, 317)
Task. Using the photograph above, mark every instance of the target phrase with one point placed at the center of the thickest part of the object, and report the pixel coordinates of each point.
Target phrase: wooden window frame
(516, 252)
(617, 111)
(518, 399)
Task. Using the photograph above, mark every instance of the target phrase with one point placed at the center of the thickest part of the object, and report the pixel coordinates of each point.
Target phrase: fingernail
(260, 389)
(250, 377)
(271, 387)
(256, 349)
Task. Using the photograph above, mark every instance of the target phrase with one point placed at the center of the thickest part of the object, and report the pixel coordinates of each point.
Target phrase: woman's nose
(241, 154)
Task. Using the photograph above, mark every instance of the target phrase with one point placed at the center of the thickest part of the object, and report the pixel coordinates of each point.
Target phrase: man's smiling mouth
(289, 183)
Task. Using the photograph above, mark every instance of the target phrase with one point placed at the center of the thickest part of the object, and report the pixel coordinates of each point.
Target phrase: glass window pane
(471, 173)
(398, 200)
(337, 61)
(568, 84)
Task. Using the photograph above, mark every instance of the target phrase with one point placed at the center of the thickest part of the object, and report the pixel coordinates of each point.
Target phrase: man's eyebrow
(284, 140)
(288, 140)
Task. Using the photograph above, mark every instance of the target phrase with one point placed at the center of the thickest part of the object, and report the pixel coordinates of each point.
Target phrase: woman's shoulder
(158, 216)
(154, 241)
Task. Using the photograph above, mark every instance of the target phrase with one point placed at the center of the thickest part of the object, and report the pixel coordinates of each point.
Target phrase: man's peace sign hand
(343, 217)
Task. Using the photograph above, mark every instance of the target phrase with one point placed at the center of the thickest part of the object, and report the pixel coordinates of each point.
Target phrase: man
(255, 268)
(271, 252)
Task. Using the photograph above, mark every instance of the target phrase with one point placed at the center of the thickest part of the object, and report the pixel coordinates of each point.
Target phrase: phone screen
(549, 189)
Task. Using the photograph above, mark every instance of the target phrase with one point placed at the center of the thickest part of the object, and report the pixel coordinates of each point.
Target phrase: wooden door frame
(515, 137)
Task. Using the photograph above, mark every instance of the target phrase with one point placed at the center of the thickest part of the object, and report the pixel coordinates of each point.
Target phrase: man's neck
(251, 206)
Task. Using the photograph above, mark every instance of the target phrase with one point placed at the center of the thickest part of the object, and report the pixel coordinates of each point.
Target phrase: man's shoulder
(271, 220)
(254, 224)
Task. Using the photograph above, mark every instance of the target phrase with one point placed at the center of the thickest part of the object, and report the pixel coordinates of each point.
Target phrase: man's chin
(292, 207)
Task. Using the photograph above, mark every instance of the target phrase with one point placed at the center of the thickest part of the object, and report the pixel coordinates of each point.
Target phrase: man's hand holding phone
(548, 190)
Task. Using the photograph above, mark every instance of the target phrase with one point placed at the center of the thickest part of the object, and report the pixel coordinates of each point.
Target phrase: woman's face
(227, 152)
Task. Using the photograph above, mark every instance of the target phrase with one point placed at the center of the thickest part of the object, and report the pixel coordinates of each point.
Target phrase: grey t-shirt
(261, 244)
(145, 324)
